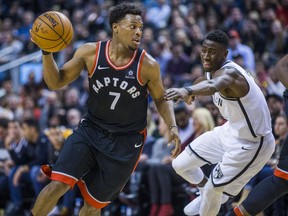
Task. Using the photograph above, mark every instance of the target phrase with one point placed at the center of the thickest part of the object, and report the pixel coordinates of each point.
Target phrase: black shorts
(282, 167)
(99, 161)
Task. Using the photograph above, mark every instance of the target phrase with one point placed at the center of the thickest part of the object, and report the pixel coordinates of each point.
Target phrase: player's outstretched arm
(281, 70)
(223, 78)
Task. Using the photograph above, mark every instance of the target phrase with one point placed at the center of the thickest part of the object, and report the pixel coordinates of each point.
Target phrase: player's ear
(115, 27)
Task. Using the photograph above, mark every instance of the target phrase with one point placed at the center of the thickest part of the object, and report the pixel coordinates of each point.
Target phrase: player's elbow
(212, 87)
(52, 85)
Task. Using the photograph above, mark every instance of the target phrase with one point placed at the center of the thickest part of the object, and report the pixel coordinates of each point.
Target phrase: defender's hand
(176, 94)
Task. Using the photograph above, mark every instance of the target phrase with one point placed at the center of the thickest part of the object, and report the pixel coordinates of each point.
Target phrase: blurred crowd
(34, 121)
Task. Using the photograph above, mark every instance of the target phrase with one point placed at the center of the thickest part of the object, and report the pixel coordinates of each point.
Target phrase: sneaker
(193, 207)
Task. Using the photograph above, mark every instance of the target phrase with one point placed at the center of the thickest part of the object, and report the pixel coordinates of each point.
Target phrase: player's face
(280, 126)
(213, 55)
(130, 30)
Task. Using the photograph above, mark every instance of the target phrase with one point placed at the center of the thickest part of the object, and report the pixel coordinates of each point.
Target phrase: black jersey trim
(244, 169)
(246, 118)
(195, 153)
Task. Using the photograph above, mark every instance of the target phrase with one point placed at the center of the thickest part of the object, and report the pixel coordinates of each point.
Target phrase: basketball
(52, 31)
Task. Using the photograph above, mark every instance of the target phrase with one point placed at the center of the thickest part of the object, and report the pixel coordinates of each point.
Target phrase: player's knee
(183, 163)
(177, 166)
(180, 167)
(57, 187)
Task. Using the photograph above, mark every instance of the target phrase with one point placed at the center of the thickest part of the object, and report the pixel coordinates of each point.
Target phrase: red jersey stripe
(139, 68)
(281, 173)
(110, 62)
(62, 177)
(238, 212)
(90, 73)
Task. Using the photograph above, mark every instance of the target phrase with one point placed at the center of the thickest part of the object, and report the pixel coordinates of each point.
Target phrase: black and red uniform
(282, 167)
(103, 151)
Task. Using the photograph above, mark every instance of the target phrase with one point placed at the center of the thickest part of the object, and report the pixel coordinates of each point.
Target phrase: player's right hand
(175, 139)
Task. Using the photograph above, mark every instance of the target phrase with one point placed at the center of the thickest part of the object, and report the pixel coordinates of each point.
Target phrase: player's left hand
(175, 139)
(176, 94)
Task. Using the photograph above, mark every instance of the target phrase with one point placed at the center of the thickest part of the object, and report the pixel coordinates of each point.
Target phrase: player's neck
(116, 49)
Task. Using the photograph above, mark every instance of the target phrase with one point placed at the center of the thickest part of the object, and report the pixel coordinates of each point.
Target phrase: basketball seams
(62, 34)
(59, 17)
(69, 39)
(48, 25)
(44, 38)
(64, 39)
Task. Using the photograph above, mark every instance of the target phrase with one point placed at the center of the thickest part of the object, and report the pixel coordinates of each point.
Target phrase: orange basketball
(52, 31)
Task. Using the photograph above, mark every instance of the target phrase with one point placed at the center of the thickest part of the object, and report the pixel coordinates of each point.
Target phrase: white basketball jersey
(248, 117)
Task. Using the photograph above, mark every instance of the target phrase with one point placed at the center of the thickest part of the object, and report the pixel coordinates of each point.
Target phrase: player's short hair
(218, 36)
(118, 12)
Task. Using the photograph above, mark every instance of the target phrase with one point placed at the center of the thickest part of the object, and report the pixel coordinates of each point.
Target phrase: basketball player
(103, 151)
(241, 146)
(275, 186)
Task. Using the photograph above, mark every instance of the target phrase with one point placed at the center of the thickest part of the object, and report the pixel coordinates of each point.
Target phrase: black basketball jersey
(117, 99)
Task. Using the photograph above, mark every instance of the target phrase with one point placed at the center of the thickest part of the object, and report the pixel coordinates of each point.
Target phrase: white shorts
(237, 160)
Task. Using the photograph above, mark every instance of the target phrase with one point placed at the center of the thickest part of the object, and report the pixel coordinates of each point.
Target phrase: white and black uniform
(243, 145)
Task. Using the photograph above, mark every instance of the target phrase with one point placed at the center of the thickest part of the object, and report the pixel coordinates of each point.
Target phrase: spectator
(252, 36)
(3, 132)
(179, 65)
(235, 20)
(72, 96)
(147, 39)
(158, 15)
(38, 146)
(282, 12)
(22, 32)
(236, 48)
(274, 85)
(157, 51)
(6, 91)
(278, 41)
(16, 145)
(56, 136)
(275, 105)
(161, 174)
(73, 118)
(11, 47)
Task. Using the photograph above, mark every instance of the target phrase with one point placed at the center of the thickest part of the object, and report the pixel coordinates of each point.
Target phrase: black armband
(189, 90)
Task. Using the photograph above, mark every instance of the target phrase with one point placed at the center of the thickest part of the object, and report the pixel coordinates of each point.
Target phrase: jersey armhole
(140, 67)
(90, 73)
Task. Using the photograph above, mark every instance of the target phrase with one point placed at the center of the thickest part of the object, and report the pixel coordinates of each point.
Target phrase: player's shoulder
(87, 48)
(150, 69)
(149, 63)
